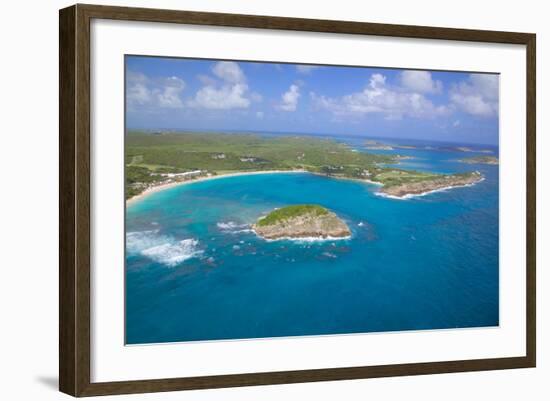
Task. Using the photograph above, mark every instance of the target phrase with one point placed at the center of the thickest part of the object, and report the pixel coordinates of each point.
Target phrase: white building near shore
(187, 174)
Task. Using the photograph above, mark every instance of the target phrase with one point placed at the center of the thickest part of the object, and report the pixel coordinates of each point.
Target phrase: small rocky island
(480, 160)
(375, 145)
(468, 149)
(301, 221)
(403, 190)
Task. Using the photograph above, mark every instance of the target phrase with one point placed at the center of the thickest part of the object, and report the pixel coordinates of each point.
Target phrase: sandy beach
(162, 187)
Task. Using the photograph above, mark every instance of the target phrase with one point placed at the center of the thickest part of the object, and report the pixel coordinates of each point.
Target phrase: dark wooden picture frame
(74, 199)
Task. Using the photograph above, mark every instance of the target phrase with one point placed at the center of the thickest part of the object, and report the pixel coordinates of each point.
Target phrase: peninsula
(162, 159)
(407, 189)
(301, 221)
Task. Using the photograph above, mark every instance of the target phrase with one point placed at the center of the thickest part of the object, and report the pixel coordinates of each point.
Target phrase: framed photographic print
(250, 200)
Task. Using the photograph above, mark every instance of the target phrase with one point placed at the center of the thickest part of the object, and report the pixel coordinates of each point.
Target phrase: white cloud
(169, 94)
(224, 98)
(305, 69)
(229, 71)
(231, 93)
(486, 84)
(456, 123)
(260, 114)
(378, 97)
(289, 99)
(137, 92)
(377, 80)
(478, 95)
(420, 81)
(143, 91)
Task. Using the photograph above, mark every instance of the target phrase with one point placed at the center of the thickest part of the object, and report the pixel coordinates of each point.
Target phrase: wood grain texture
(74, 199)
(302, 376)
(301, 24)
(67, 265)
(82, 200)
(531, 230)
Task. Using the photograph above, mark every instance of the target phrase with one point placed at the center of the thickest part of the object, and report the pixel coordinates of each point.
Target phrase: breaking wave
(307, 239)
(162, 248)
(443, 189)
(233, 228)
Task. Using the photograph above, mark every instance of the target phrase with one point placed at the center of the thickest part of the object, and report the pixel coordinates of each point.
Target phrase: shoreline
(409, 196)
(303, 239)
(361, 180)
(162, 187)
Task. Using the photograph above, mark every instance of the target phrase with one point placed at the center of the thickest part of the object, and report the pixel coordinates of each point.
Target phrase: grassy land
(288, 212)
(480, 160)
(239, 152)
(392, 177)
(149, 156)
(137, 179)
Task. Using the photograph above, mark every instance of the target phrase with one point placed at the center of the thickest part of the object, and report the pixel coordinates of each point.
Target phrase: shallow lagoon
(195, 272)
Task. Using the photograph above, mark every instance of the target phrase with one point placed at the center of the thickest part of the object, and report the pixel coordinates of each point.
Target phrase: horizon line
(260, 132)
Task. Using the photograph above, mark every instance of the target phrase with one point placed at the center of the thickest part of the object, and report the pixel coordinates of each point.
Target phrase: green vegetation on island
(469, 149)
(137, 178)
(288, 212)
(375, 145)
(480, 160)
(240, 152)
(436, 182)
(165, 158)
(301, 221)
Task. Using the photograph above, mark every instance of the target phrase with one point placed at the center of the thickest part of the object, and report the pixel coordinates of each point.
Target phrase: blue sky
(187, 94)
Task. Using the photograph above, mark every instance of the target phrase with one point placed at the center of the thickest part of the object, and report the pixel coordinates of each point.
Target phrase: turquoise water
(195, 272)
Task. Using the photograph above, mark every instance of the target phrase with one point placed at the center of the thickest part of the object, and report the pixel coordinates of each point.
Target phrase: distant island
(156, 161)
(480, 160)
(301, 221)
(375, 145)
(467, 149)
(371, 144)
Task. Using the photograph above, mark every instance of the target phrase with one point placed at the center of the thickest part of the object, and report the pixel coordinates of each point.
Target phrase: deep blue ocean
(195, 272)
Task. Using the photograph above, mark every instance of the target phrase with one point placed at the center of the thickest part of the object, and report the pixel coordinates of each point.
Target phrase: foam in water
(233, 228)
(172, 254)
(137, 241)
(307, 239)
(161, 248)
(238, 291)
(410, 196)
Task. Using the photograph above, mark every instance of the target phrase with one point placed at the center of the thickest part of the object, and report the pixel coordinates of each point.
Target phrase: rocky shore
(299, 222)
(422, 187)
